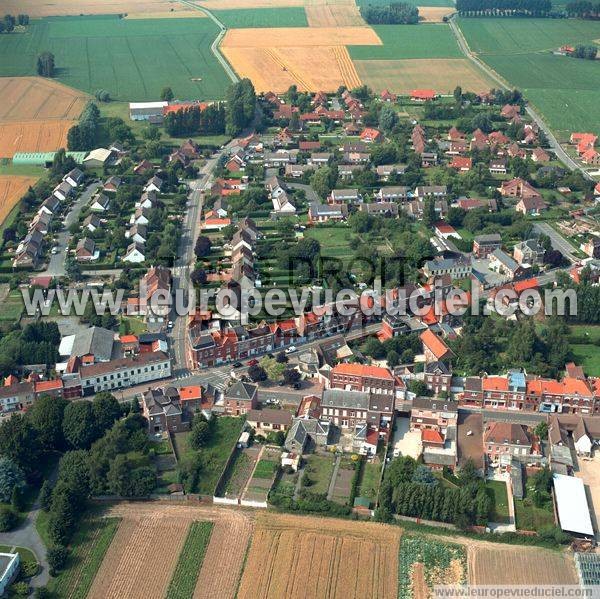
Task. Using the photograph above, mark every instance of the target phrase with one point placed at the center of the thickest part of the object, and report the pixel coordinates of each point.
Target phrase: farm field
(294, 557)
(402, 76)
(333, 13)
(415, 2)
(434, 14)
(12, 189)
(34, 8)
(105, 52)
(563, 89)
(36, 114)
(292, 16)
(515, 565)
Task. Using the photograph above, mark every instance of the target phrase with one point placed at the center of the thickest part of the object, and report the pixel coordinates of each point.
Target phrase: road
(214, 47)
(558, 241)
(56, 265)
(552, 141)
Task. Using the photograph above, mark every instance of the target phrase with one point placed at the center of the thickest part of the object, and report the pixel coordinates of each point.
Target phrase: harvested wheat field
(295, 556)
(434, 14)
(35, 8)
(401, 76)
(275, 69)
(150, 538)
(300, 37)
(170, 14)
(36, 114)
(333, 13)
(498, 564)
(12, 189)
(234, 4)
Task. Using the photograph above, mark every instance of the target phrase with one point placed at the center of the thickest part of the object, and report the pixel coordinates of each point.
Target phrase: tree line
(399, 13)
(585, 52)
(583, 9)
(506, 8)
(241, 107)
(9, 22)
(194, 121)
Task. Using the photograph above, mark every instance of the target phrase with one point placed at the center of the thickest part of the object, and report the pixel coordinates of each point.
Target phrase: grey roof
(157, 402)
(327, 209)
(302, 428)
(241, 390)
(505, 259)
(491, 238)
(96, 341)
(440, 405)
(346, 399)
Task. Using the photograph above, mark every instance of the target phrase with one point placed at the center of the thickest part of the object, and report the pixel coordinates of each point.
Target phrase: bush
(29, 569)
(20, 589)
(8, 519)
(57, 558)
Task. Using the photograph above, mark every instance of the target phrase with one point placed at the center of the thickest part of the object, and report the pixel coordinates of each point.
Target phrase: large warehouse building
(572, 506)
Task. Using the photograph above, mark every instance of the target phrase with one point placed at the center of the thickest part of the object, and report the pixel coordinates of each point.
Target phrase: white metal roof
(573, 508)
(142, 105)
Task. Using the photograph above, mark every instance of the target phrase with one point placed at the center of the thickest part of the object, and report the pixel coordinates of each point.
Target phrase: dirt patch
(12, 189)
(34, 8)
(442, 75)
(434, 14)
(276, 68)
(307, 557)
(300, 37)
(419, 586)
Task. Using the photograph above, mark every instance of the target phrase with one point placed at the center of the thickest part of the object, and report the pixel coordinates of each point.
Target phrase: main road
(552, 141)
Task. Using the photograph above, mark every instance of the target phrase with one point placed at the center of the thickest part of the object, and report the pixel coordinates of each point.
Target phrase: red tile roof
(435, 345)
(431, 436)
(363, 370)
(423, 94)
(43, 386)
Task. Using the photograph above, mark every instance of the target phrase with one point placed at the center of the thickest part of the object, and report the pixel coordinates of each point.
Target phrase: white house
(63, 191)
(138, 234)
(140, 217)
(134, 253)
(582, 440)
(50, 205)
(100, 203)
(282, 204)
(74, 177)
(154, 184)
(147, 200)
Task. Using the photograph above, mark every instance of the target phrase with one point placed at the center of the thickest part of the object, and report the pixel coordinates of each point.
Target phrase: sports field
(290, 16)
(563, 89)
(132, 59)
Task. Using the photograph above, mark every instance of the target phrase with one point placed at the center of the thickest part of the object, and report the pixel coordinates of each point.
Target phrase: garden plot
(343, 480)
(257, 490)
(239, 472)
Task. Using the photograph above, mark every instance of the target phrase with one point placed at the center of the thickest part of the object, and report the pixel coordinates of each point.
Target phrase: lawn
(410, 41)
(529, 517)
(497, 491)
(106, 52)
(88, 547)
(584, 343)
(334, 239)
(265, 469)
(245, 18)
(318, 470)
(190, 559)
(12, 306)
(369, 484)
(563, 89)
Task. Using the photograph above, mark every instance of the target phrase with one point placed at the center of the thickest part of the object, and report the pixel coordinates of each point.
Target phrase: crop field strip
(105, 52)
(248, 18)
(563, 89)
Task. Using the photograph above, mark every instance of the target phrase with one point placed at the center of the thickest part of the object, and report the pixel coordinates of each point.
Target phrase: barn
(145, 111)
(572, 506)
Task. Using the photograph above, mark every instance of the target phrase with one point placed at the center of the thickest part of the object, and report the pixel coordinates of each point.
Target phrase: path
(214, 47)
(552, 141)
(336, 467)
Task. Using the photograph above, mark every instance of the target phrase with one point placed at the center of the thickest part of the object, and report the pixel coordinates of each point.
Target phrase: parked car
(291, 349)
(237, 364)
(252, 362)
(296, 386)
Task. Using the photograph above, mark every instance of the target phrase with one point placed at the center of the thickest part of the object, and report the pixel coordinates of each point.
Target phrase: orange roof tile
(128, 339)
(190, 392)
(435, 345)
(495, 383)
(363, 370)
(431, 436)
(52, 385)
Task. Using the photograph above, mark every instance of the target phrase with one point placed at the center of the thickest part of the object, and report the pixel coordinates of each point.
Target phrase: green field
(132, 59)
(433, 40)
(415, 2)
(318, 471)
(244, 18)
(190, 559)
(563, 89)
(497, 491)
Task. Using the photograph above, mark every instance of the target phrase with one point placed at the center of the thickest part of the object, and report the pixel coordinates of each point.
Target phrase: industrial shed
(572, 506)
(143, 111)
(44, 159)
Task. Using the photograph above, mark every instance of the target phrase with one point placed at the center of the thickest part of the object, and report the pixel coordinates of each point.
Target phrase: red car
(252, 362)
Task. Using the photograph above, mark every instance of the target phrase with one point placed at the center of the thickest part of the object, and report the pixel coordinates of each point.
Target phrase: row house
(362, 377)
(241, 398)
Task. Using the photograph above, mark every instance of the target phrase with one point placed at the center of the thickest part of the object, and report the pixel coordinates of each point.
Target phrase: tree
(458, 94)
(429, 214)
(200, 434)
(8, 518)
(127, 480)
(19, 442)
(388, 118)
(73, 269)
(11, 478)
(79, 424)
(418, 387)
(257, 373)
(45, 496)
(46, 416)
(106, 410)
(240, 106)
(57, 558)
(424, 476)
(202, 247)
(392, 359)
(45, 64)
(102, 95)
(198, 276)
(166, 95)
(291, 376)
(541, 430)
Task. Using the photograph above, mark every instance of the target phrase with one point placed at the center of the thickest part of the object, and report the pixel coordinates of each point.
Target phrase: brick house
(267, 420)
(434, 347)
(506, 439)
(163, 411)
(484, 245)
(240, 398)
(362, 377)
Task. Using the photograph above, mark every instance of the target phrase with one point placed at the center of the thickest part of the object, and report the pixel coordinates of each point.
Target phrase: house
(154, 184)
(147, 200)
(455, 135)
(50, 205)
(385, 171)
(74, 177)
(370, 135)
(393, 194)
(282, 204)
(306, 433)
(506, 439)
(474, 203)
(518, 188)
(141, 216)
(63, 191)
(86, 250)
(445, 231)
(510, 111)
(591, 157)
(592, 247)
(296, 171)
(431, 191)
(531, 206)
(503, 264)
(134, 253)
(16, 396)
(97, 158)
(529, 252)
(143, 168)
(422, 95)
(498, 166)
(345, 196)
(357, 157)
(457, 268)
(435, 415)
(309, 146)
(236, 162)
(438, 377)
(540, 155)
(92, 223)
(345, 408)
(112, 184)
(144, 111)
(388, 96)
(321, 213)
(380, 209)
(240, 398)
(428, 159)
(155, 293)
(267, 420)
(461, 163)
(162, 410)
(484, 245)
(434, 347)
(362, 377)
(138, 234)
(100, 203)
(319, 158)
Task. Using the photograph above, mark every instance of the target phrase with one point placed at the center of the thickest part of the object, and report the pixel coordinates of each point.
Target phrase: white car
(54, 250)
(291, 349)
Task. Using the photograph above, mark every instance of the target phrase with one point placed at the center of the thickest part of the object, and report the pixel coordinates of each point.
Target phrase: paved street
(56, 266)
(558, 241)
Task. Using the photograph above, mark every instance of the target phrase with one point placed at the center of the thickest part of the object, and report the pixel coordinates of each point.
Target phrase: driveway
(56, 266)
(406, 442)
